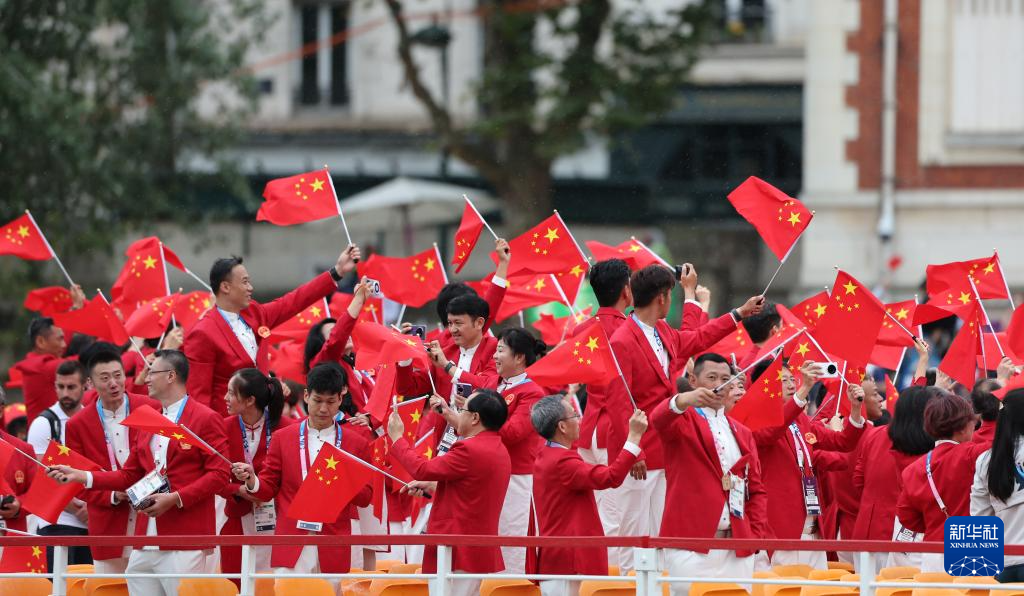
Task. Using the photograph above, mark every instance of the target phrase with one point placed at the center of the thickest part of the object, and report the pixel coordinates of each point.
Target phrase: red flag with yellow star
(953, 277)
(191, 307)
(297, 327)
(547, 247)
(334, 479)
(852, 322)
(298, 199)
(466, 236)
(95, 318)
(23, 239)
(23, 559)
(46, 497)
(152, 317)
(891, 333)
(534, 289)
(733, 346)
(961, 360)
(147, 419)
(554, 329)
(143, 276)
(285, 360)
(584, 358)
(412, 281)
(777, 217)
(801, 350)
(632, 251)
(48, 301)
(810, 310)
(372, 311)
(384, 392)
(376, 344)
(891, 395)
(761, 406)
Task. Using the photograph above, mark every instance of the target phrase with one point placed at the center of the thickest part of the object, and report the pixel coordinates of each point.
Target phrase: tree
(596, 69)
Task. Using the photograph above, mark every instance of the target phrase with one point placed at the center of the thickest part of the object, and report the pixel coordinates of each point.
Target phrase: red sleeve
(693, 341)
(830, 461)
(121, 479)
(289, 305)
(578, 475)
(909, 516)
(215, 470)
(334, 348)
(518, 427)
(202, 361)
(663, 418)
(270, 475)
(693, 316)
(618, 406)
(830, 440)
(769, 435)
(452, 465)
(485, 379)
(494, 295)
(73, 439)
(859, 469)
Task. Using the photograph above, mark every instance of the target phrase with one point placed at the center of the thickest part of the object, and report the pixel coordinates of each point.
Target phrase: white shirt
(118, 434)
(511, 382)
(242, 331)
(725, 444)
(158, 445)
(315, 439)
(465, 363)
(39, 437)
(254, 435)
(1011, 512)
(652, 338)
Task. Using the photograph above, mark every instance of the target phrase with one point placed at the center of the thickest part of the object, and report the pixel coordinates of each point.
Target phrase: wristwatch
(736, 315)
(448, 367)
(334, 274)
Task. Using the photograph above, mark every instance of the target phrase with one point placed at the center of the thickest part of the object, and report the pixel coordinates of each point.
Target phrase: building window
(323, 72)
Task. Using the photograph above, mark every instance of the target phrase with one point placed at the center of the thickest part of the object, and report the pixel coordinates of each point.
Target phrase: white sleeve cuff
(855, 423)
(672, 405)
(405, 363)
(113, 499)
(88, 480)
(499, 281)
(255, 486)
(456, 375)
(632, 448)
(695, 303)
(800, 402)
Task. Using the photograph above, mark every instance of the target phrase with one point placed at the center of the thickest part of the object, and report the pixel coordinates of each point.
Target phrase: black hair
(177, 361)
(607, 279)
(17, 426)
(39, 326)
(221, 271)
(649, 283)
(469, 304)
(266, 390)
(294, 397)
(314, 342)
(906, 430)
(698, 364)
(72, 367)
(326, 378)
(523, 343)
(759, 326)
(447, 294)
(100, 352)
(1002, 465)
(985, 404)
(79, 343)
(490, 406)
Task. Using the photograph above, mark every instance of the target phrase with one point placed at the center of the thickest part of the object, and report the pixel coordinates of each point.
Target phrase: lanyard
(931, 483)
(657, 339)
(245, 325)
(801, 449)
(303, 454)
(245, 437)
(106, 435)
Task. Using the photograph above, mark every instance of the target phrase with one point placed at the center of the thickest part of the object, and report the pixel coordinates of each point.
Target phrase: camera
(680, 270)
(463, 389)
(419, 331)
(374, 287)
(826, 370)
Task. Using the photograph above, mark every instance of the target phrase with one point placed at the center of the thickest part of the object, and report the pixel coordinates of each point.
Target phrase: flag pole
(482, 220)
(330, 180)
(17, 532)
(131, 339)
(561, 293)
(199, 279)
(754, 363)
(988, 321)
(842, 381)
(205, 444)
(774, 275)
(582, 254)
(15, 447)
(401, 315)
(653, 254)
(327, 308)
(618, 368)
(167, 283)
(367, 464)
(440, 262)
(1009, 296)
(49, 248)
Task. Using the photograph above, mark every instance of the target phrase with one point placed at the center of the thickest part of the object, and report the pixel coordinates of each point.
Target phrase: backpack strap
(54, 424)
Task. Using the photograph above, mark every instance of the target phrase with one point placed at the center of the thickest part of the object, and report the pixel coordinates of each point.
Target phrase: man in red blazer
(791, 467)
(19, 474)
(39, 367)
(292, 451)
(648, 349)
(229, 336)
(96, 433)
(468, 485)
(713, 474)
(563, 491)
(494, 293)
(194, 477)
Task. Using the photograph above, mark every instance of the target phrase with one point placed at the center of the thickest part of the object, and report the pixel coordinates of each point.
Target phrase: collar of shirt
(61, 415)
(711, 413)
(644, 326)
(230, 316)
(324, 434)
(254, 429)
(941, 441)
(515, 380)
(119, 412)
(171, 411)
(469, 352)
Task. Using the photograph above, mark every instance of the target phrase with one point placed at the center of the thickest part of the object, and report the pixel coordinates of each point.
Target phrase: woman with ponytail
(254, 403)
(998, 487)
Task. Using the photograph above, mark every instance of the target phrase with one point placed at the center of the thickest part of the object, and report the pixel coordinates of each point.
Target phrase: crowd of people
(653, 451)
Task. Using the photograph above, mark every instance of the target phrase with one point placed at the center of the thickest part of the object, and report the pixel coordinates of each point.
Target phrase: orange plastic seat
(850, 577)
(936, 592)
(386, 564)
(25, 586)
(508, 587)
(81, 568)
(901, 591)
(403, 568)
(399, 587)
(303, 586)
(792, 570)
(783, 589)
(934, 577)
(758, 589)
(357, 587)
(898, 572)
(206, 586)
(263, 587)
(828, 590)
(106, 587)
(614, 570)
(827, 574)
(606, 588)
(840, 565)
(976, 580)
(708, 589)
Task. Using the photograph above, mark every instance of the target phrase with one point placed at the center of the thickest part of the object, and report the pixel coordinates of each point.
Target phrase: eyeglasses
(573, 417)
(154, 372)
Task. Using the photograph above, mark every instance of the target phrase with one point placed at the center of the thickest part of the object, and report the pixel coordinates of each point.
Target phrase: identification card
(3, 524)
(737, 496)
(309, 526)
(811, 495)
(447, 440)
(265, 517)
(901, 534)
(150, 484)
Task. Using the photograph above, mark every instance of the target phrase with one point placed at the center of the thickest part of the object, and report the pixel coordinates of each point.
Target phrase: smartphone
(419, 331)
(680, 270)
(826, 370)
(374, 287)
(463, 390)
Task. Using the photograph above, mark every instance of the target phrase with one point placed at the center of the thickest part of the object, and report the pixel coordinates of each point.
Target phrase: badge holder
(265, 517)
(310, 526)
(811, 495)
(737, 496)
(140, 494)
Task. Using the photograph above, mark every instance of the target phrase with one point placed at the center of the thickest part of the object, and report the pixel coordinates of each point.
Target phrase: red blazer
(84, 434)
(694, 477)
(19, 474)
(481, 375)
(518, 434)
(953, 474)
(472, 479)
(841, 502)
(280, 480)
(647, 382)
(563, 490)
(39, 374)
(214, 353)
(776, 446)
(333, 350)
(985, 433)
(196, 475)
(235, 507)
(596, 415)
(494, 295)
(877, 482)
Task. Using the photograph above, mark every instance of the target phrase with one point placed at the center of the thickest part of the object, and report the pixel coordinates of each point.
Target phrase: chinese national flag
(1015, 332)
(635, 254)
(191, 307)
(733, 346)
(954, 277)
(412, 281)
(585, 358)
(1015, 382)
(46, 497)
(534, 289)
(990, 356)
(152, 317)
(297, 327)
(811, 309)
(21, 238)
(372, 310)
(376, 344)
(285, 360)
(888, 357)
(761, 406)
(891, 395)
(384, 392)
(778, 218)
(95, 318)
(547, 247)
(48, 301)
(334, 479)
(852, 322)
(23, 559)
(144, 274)
(801, 350)
(961, 359)
(145, 418)
(892, 334)
(379, 458)
(553, 330)
(466, 236)
(298, 199)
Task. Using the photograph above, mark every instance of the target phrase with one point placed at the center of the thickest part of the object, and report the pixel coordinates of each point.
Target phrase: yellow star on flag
(634, 248)
(964, 297)
(552, 235)
(576, 270)
(429, 264)
(23, 231)
(63, 450)
(332, 463)
(902, 314)
(794, 218)
(415, 417)
(178, 436)
(990, 268)
(149, 262)
(315, 311)
(37, 552)
(819, 310)
(802, 349)
(539, 285)
(592, 343)
(849, 287)
(318, 184)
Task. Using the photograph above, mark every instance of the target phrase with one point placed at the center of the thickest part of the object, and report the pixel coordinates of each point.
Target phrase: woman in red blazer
(938, 485)
(254, 402)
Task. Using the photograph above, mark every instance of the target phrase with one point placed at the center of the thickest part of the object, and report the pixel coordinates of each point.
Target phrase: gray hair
(546, 415)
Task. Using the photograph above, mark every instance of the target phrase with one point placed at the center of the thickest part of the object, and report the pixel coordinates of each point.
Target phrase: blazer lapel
(648, 352)
(707, 441)
(229, 335)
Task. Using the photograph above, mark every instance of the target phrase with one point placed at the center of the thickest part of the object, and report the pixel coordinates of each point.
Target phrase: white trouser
(845, 556)
(815, 559)
(116, 565)
(162, 561)
(366, 524)
(515, 520)
(400, 552)
(641, 503)
(261, 553)
(560, 587)
(414, 552)
(308, 562)
(714, 564)
(607, 502)
(465, 587)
